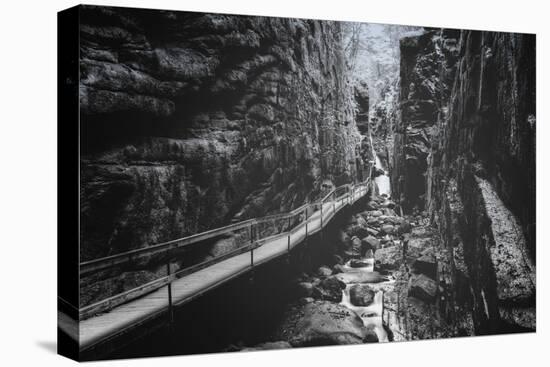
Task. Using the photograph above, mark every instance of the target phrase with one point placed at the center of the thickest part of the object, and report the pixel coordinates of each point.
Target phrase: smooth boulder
(361, 295)
(325, 323)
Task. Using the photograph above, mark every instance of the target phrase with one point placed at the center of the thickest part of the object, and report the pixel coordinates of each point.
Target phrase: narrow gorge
(192, 122)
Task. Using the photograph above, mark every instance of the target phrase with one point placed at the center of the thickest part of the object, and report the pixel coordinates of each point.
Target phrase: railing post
(306, 220)
(252, 256)
(170, 309)
(288, 244)
(289, 222)
(251, 234)
(321, 214)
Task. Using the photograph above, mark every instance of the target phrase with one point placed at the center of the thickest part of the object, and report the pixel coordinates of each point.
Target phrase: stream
(372, 315)
(383, 181)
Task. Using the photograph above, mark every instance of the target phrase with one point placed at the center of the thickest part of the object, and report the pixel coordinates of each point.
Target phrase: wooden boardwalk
(109, 325)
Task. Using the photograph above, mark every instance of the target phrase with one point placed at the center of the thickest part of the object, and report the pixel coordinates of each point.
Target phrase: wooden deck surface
(107, 325)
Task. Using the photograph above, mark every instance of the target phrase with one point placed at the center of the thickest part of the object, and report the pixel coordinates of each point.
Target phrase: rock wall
(427, 69)
(482, 177)
(465, 151)
(190, 121)
(382, 123)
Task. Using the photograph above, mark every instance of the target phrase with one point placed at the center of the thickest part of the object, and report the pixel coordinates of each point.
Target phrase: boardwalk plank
(106, 325)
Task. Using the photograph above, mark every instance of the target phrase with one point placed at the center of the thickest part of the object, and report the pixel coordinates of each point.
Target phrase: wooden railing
(251, 233)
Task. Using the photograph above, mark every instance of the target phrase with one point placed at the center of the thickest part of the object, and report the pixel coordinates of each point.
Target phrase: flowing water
(383, 181)
(371, 315)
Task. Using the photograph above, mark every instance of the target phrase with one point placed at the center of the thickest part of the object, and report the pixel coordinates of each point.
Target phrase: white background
(28, 142)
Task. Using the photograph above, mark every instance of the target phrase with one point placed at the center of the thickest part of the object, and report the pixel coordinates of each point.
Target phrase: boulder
(417, 246)
(423, 288)
(268, 346)
(357, 231)
(373, 221)
(338, 268)
(324, 271)
(360, 221)
(371, 336)
(372, 205)
(329, 289)
(274, 345)
(343, 238)
(352, 277)
(387, 228)
(324, 323)
(376, 213)
(361, 295)
(358, 263)
(372, 231)
(388, 204)
(306, 300)
(388, 258)
(403, 227)
(370, 242)
(426, 264)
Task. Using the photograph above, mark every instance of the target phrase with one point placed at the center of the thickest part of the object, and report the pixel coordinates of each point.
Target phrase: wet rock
(358, 263)
(388, 258)
(361, 295)
(324, 323)
(387, 228)
(417, 246)
(423, 288)
(403, 227)
(324, 271)
(372, 231)
(371, 336)
(376, 213)
(372, 205)
(352, 277)
(373, 221)
(370, 242)
(388, 204)
(274, 345)
(337, 259)
(356, 244)
(360, 221)
(306, 300)
(268, 346)
(343, 238)
(329, 289)
(357, 231)
(338, 268)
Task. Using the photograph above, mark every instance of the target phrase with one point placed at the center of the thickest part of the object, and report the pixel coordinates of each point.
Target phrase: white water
(371, 315)
(383, 181)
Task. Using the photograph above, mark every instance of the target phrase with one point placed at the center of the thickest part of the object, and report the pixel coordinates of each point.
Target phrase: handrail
(132, 255)
(103, 263)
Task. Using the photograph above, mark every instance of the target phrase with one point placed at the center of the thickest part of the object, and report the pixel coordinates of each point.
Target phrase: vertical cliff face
(465, 150)
(191, 121)
(427, 66)
(482, 176)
